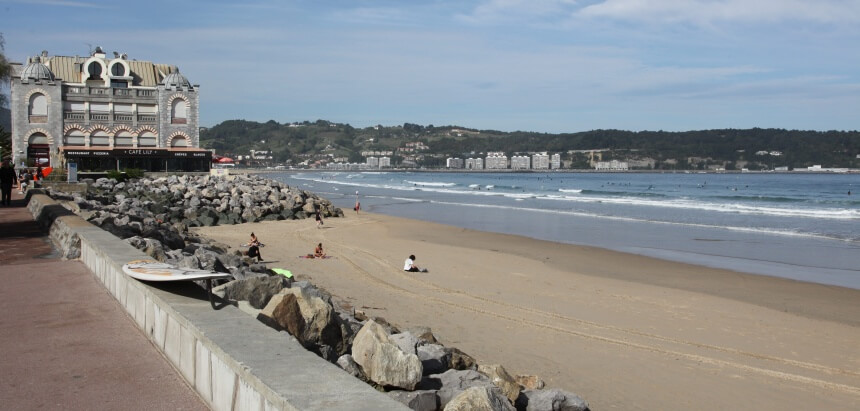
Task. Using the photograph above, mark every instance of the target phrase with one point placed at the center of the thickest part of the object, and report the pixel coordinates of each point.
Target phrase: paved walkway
(65, 343)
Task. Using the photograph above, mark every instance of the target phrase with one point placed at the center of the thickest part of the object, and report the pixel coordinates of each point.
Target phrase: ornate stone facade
(101, 112)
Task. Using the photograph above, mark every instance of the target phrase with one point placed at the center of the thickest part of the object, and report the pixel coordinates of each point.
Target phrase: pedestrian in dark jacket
(7, 179)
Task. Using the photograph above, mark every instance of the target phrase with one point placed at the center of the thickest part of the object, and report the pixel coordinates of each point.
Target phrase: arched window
(178, 111)
(179, 141)
(146, 139)
(94, 69)
(123, 139)
(37, 139)
(74, 138)
(100, 138)
(38, 108)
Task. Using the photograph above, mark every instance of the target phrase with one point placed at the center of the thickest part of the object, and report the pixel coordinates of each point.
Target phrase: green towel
(281, 271)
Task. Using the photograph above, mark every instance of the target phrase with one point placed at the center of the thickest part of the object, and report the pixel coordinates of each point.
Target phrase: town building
(613, 165)
(105, 113)
(555, 161)
(475, 163)
(496, 161)
(454, 162)
(520, 162)
(540, 161)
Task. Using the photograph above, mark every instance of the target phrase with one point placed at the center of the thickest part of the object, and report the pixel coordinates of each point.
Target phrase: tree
(5, 70)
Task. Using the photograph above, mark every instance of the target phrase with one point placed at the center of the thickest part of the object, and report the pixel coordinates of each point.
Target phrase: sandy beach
(621, 330)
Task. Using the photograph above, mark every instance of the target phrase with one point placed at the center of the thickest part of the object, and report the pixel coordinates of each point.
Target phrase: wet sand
(623, 331)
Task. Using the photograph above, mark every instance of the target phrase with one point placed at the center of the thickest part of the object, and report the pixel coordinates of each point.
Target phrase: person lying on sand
(410, 266)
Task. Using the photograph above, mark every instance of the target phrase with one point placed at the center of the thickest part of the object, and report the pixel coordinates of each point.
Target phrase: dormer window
(95, 71)
(117, 70)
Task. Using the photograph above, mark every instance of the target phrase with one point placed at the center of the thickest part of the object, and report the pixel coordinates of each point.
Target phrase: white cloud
(499, 11)
(715, 11)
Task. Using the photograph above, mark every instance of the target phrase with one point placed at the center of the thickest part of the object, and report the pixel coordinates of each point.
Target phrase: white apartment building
(454, 162)
(520, 163)
(555, 161)
(540, 161)
(474, 163)
(496, 161)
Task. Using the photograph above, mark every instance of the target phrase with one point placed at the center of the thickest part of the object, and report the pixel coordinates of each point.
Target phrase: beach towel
(312, 257)
(281, 271)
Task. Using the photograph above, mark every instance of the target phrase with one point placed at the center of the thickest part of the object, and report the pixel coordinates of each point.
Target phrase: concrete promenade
(228, 357)
(65, 342)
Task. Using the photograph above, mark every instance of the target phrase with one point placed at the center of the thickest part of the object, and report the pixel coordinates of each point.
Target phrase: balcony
(99, 116)
(80, 93)
(74, 115)
(123, 118)
(146, 118)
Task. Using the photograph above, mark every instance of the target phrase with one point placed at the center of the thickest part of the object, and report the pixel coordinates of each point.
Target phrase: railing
(74, 115)
(108, 91)
(38, 119)
(146, 118)
(123, 118)
(99, 116)
(99, 91)
(76, 90)
(123, 92)
(146, 93)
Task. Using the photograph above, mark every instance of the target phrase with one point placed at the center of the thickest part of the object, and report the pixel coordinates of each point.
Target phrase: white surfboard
(151, 270)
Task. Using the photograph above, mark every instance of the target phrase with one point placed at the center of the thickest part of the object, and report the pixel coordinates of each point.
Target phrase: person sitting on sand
(318, 252)
(254, 248)
(410, 266)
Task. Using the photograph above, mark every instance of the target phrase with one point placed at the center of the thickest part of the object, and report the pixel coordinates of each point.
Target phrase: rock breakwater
(410, 365)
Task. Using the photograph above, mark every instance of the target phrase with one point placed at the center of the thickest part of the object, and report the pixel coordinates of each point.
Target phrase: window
(178, 111)
(179, 141)
(38, 139)
(74, 138)
(117, 70)
(146, 139)
(95, 70)
(100, 138)
(124, 139)
(38, 108)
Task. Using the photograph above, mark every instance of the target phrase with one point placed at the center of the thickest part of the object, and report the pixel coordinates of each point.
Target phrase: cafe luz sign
(136, 152)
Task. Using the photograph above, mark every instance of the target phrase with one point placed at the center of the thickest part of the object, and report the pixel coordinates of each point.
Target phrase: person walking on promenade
(7, 179)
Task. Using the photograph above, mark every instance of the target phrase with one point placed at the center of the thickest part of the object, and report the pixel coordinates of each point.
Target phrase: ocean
(798, 226)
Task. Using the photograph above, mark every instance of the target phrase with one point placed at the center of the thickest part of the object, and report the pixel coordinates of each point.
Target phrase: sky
(531, 65)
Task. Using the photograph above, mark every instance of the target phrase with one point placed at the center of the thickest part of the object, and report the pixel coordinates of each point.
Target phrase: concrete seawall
(232, 360)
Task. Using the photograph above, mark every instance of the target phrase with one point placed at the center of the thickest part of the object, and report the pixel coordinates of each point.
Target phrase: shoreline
(622, 330)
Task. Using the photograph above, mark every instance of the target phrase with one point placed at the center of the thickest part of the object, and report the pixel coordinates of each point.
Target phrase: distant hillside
(706, 149)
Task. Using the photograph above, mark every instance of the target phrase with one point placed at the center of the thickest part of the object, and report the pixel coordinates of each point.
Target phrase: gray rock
(460, 360)
(256, 290)
(382, 361)
(406, 341)
(350, 366)
(452, 382)
(550, 400)
(421, 400)
(500, 377)
(480, 399)
(433, 358)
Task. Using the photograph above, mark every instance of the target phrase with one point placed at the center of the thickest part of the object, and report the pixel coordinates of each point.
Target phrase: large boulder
(459, 360)
(530, 382)
(500, 377)
(420, 400)
(433, 358)
(406, 341)
(480, 399)
(320, 328)
(550, 400)
(384, 362)
(256, 290)
(451, 383)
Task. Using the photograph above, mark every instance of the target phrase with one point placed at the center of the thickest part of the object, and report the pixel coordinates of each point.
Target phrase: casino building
(105, 113)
